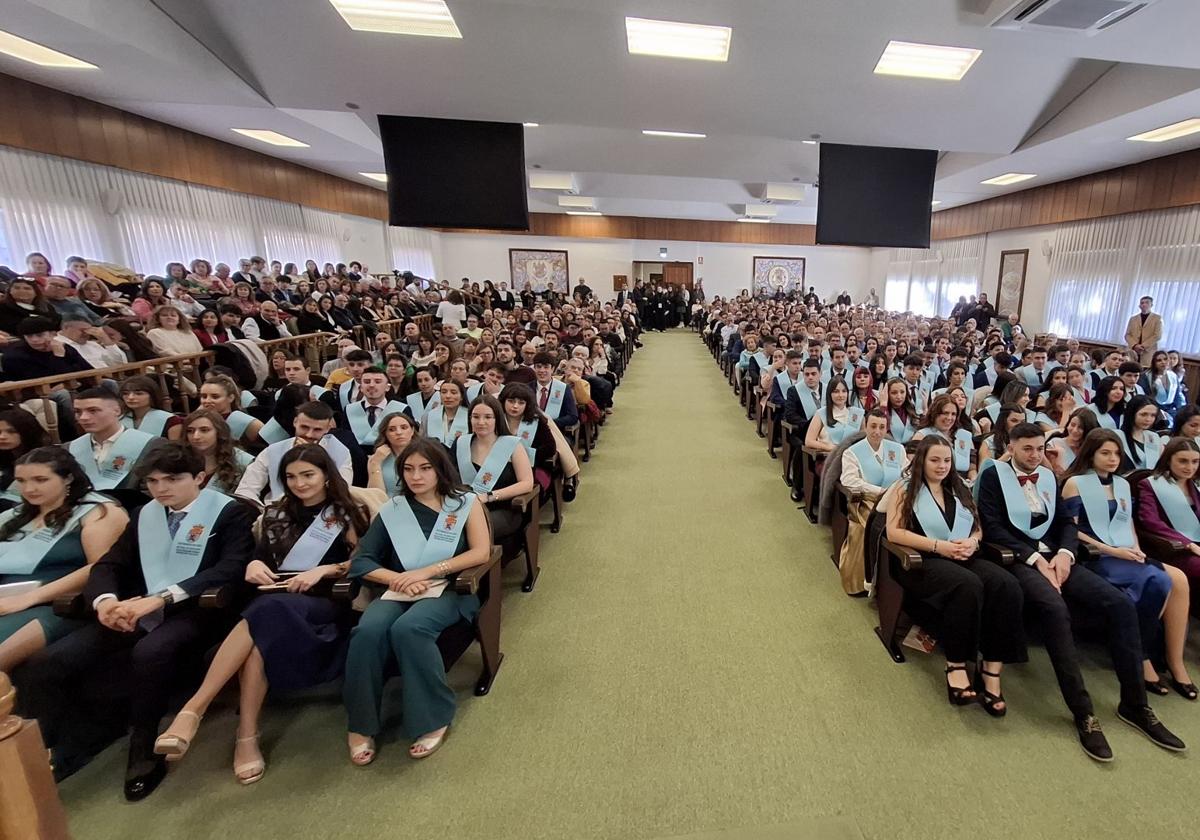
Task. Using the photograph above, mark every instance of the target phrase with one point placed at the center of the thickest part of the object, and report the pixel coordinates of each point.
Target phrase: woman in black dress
(287, 640)
(492, 462)
(20, 432)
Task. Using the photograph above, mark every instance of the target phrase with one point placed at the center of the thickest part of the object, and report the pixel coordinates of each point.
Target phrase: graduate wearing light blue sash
(1029, 375)
(167, 560)
(275, 452)
(243, 459)
(308, 551)
(153, 422)
(785, 383)
(1166, 390)
(881, 468)
(248, 399)
(418, 406)
(810, 403)
(962, 443)
(238, 422)
(357, 416)
(933, 521)
(900, 429)
(473, 391)
(1177, 505)
(1106, 419)
(558, 393)
(839, 432)
(526, 431)
(1112, 524)
(484, 479)
(1146, 456)
(117, 469)
(390, 476)
(1019, 513)
(345, 392)
(273, 432)
(436, 424)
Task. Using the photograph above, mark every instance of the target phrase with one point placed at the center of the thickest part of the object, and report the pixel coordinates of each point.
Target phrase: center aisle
(687, 663)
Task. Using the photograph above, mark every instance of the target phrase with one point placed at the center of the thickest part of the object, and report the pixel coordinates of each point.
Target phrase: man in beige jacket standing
(1144, 331)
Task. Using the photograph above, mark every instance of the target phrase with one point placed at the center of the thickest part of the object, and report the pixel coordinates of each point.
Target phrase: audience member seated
(314, 424)
(20, 433)
(24, 300)
(170, 333)
(222, 395)
(92, 343)
(142, 398)
(554, 397)
(836, 421)
(59, 296)
(148, 628)
(41, 353)
(100, 301)
(946, 420)
(362, 417)
(869, 468)
(1161, 384)
(978, 602)
(267, 324)
(107, 451)
(1168, 508)
(532, 428)
(419, 540)
(448, 420)
(47, 545)
(494, 464)
(208, 435)
(396, 431)
(1062, 450)
(286, 640)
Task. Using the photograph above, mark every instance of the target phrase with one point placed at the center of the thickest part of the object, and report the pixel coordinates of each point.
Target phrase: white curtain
(1167, 267)
(411, 249)
(63, 207)
(928, 281)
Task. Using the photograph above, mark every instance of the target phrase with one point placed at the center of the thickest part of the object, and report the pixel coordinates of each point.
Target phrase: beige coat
(1148, 335)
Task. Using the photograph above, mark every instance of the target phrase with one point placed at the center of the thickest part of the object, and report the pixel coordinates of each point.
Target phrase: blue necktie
(174, 520)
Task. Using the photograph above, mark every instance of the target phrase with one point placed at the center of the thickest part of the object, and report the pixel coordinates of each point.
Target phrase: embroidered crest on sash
(195, 532)
(451, 520)
(487, 478)
(118, 463)
(891, 455)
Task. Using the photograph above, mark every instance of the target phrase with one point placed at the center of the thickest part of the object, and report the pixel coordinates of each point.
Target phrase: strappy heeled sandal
(991, 702)
(258, 767)
(428, 744)
(1157, 687)
(363, 754)
(173, 746)
(959, 696)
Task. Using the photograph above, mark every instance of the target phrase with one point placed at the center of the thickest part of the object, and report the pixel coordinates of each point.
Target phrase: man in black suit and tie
(1021, 508)
(148, 638)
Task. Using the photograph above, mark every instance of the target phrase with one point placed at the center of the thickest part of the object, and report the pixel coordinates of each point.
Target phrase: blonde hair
(154, 323)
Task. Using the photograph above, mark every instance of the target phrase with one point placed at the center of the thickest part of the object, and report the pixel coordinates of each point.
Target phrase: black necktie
(1039, 373)
(371, 411)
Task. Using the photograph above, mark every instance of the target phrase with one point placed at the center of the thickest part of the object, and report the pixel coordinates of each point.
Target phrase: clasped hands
(260, 574)
(1056, 570)
(123, 616)
(412, 583)
(957, 549)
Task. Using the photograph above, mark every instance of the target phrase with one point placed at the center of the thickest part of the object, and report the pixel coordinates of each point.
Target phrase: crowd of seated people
(176, 540)
(980, 481)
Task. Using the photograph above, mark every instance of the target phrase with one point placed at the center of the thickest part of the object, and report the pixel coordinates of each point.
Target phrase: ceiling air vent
(1084, 17)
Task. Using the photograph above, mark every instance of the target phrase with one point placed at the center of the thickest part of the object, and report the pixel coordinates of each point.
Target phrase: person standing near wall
(1144, 331)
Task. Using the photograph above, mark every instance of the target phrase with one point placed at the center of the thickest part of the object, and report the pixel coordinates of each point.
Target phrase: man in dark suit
(1021, 508)
(800, 406)
(148, 636)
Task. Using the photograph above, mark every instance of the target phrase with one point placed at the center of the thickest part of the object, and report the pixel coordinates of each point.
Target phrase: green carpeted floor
(687, 664)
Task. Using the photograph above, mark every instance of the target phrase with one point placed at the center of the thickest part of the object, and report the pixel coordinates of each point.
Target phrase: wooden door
(678, 274)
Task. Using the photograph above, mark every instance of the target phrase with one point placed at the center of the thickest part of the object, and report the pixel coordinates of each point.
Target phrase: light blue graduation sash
(810, 403)
(1177, 506)
(25, 552)
(243, 459)
(166, 561)
(416, 404)
(1152, 447)
(846, 375)
(785, 382)
(845, 427)
(356, 416)
(1081, 399)
(558, 392)
(526, 431)
(391, 478)
(933, 522)
(1106, 419)
(315, 392)
(1164, 396)
(880, 468)
(1019, 513)
(918, 397)
(238, 422)
(272, 432)
(763, 360)
(473, 392)
(248, 399)
(307, 551)
(1067, 455)
(901, 431)
(345, 390)
(458, 426)
(489, 471)
(963, 444)
(275, 452)
(412, 547)
(993, 411)
(153, 423)
(1029, 375)
(122, 456)
(1118, 531)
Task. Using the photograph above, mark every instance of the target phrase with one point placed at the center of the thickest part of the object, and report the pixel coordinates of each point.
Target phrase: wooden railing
(182, 370)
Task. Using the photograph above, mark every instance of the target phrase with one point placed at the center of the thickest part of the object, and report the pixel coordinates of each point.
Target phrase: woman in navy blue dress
(287, 640)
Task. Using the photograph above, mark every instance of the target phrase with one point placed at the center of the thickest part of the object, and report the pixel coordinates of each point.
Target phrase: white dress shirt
(257, 477)
(852, 475)
(251, 330)
(1036, 507)
(96, 354)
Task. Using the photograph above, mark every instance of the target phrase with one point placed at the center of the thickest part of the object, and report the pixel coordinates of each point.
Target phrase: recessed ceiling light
(1169, 132)
(375, 176)
(584, 213)
(649, 132)
(431, 18)
(272, 137)
(1008, 178)
(531, 125)
(756, 221)
(18, 47)
(926, 61)
(934, 203)
(809, 142)
(677, 40)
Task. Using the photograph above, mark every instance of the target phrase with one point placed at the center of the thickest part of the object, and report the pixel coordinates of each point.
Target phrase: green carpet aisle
(687, 664)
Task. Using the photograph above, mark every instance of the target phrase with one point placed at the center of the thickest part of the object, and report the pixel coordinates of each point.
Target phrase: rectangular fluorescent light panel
(531, 125)
(1008, 178)
(430, 18)
(926, 61)
(584, 213)
(381, 177)
(552, 181)
(653, 132)
(273, 137)
(759, 221)
(764, 210)
(677, 40)
(784, 192)
(578, 202)
(18, 47)
(934, 203)
(1169, 132)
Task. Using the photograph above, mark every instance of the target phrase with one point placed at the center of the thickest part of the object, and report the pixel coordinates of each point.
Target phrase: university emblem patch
(195, 532)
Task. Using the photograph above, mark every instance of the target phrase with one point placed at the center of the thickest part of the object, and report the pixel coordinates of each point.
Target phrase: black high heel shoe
(959, 696)
(1186, 690)
(988, 700)
(1156, 687)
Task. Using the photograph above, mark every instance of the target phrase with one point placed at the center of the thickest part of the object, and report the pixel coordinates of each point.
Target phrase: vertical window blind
(928, 281)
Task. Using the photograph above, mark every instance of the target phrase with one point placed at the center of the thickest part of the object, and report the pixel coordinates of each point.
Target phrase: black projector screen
(455, 173)
(875, 196)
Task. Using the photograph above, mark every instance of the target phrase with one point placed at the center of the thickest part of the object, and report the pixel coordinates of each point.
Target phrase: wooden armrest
(816, 453)
(219, 597)
(523, 501)
(787, 427)
(467, 581)
(998, 553)
(851, 495)
(909, 558)
(71, 606)
(344, 589)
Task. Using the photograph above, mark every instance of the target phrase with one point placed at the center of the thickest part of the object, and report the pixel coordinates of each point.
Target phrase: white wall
(364, 240)
(725, 268)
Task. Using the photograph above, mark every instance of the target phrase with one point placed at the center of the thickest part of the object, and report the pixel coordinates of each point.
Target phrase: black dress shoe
(1143, 719)
(140, 786)
(570, 488)
(1091, 738)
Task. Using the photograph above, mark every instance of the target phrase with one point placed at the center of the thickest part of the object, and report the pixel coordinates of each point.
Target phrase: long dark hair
(448, 484)
(520, 391)
(28, 429)
(498, 415)
(228, 472)
(829, 419)
(916, 478)
(62, 464)
(1087, 452)
(381, 439)
(1000, 427)
(1181, 418)
(1053, 397)
(284, 515)
(141, 383)
(1135, 405)
(1100, 399)
(936, 406)
(1173, 447)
